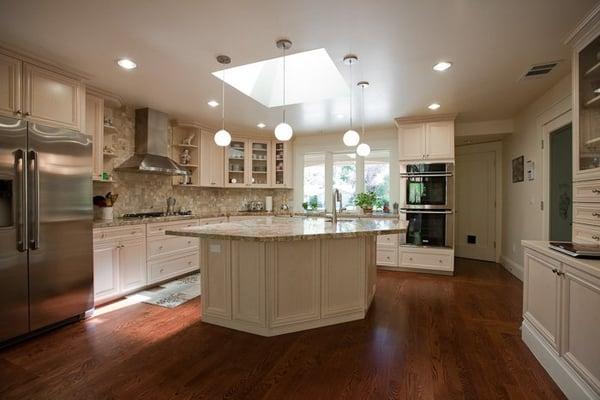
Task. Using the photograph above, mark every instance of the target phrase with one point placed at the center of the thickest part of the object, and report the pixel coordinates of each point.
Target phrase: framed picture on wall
(518, 169)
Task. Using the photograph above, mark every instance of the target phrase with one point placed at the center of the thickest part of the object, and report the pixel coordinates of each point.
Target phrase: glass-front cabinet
(586, 107)
(248, 163)
(281, 164)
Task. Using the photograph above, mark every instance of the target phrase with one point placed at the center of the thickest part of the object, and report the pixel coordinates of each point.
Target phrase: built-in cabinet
(281, 164)
(39, 94)
(211, 161)
(428, 138)
(561, 299)
(248, 163)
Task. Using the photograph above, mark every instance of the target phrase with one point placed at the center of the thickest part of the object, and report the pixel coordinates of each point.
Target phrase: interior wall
(523, 217)
(384, 139)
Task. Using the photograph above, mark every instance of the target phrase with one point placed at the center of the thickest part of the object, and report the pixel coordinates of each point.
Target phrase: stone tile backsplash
(145, 192)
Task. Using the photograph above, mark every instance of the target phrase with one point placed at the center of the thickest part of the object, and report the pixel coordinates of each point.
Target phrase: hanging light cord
(351, 94)
(223, 101)
(283, 82)
(363, 112)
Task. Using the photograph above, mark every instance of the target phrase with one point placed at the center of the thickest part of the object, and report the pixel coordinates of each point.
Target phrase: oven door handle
(414, 211)
(434, 175)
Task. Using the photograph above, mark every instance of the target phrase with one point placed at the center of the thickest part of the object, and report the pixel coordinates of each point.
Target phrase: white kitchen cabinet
(132, 264)
(211, 161)
(281, 164)
(94, 126)
(50, 98)
(425, 139)
(561, 318)
(432, 259)
(581, 323)
(106, 271)
(541, 295)
(10, 86)
(387, 250)
(248, 163)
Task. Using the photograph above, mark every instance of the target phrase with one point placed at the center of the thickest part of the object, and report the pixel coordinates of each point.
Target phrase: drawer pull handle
(102, 236)
(162, 270)
(554, 270)
(160, 247)
(596, 237)
(189, 263)
(595, 214)
(189, 242)
(133, 232)
(410, 258)
(440, 261)
(596, 190)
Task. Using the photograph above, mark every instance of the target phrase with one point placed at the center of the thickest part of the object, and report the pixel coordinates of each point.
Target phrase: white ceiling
(490, 42)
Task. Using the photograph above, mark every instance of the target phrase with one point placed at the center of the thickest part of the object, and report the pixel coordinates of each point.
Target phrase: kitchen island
(276, 275)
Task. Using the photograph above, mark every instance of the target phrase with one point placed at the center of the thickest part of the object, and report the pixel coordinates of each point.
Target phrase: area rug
(171, 294)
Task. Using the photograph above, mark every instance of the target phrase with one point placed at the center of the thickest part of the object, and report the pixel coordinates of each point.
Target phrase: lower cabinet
(106, 271)
(561, 313)
(132, 264)
(426, 258)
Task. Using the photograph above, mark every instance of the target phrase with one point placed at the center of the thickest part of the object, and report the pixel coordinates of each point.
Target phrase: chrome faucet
(337, 197)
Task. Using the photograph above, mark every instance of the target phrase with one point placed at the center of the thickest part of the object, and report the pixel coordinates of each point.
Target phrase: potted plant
(313, 202)
(366, 201)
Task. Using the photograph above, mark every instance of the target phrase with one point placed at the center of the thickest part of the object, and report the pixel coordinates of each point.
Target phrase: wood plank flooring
(425, 337)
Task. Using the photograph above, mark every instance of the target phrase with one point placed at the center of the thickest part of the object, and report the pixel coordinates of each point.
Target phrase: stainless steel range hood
(151, 145)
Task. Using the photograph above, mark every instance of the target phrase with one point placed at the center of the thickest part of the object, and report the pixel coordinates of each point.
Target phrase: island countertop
(274, 229)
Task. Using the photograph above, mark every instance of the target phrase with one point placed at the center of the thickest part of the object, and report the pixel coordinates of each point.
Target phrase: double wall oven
(427, 196)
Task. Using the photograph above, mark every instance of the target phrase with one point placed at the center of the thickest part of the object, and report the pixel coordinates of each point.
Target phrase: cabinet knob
(160, 247)
(595, 214)
(410, 258)
(596, 237)
(596, 191)
(440, 261)
(26, 114)
(18, 113)
(162, 270)
(189, 263)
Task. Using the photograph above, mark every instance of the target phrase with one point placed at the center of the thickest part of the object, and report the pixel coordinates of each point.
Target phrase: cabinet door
(439, 140)
(94, 126)
(211, 161)
(52, 99)
(260, 163)
(10, 86)
(132, 264)
(581, 324)
(541, 295)
(411, 142)
(281, 164)
(235, 163)
(106, 271)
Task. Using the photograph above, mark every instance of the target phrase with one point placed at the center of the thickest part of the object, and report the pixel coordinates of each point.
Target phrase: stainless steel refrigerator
(46, 270)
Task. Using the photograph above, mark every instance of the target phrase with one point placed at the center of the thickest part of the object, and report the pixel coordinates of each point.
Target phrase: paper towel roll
(269, 203)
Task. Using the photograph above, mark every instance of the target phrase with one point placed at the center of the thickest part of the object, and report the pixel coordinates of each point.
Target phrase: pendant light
(222, 137)
(283, 131)
(363, 149)
(351, 137)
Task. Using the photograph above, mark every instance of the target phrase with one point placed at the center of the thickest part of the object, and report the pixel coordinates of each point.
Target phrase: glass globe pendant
(363, 149)
(222, 137)
(351, 138)
(283, 131)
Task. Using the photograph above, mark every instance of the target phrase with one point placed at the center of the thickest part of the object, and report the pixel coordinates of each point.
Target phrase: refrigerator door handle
(21, 209)
(34, 216)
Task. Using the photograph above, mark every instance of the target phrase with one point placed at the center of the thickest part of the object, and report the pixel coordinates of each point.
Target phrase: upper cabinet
(281, 163)
(94, 126)
(586, 99)
(40, 95)
(248, 163)
(427, 138)
(10, 86)
(211, 161)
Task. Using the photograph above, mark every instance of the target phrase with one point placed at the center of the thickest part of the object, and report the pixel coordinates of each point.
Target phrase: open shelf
(189, 146)
(594, 102)
(594, 71)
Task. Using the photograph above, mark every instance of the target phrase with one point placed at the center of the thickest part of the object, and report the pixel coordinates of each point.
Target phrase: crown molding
(424, 118)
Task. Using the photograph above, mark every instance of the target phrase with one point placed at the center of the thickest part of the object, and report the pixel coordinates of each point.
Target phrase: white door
(132, 264)
(475, 183)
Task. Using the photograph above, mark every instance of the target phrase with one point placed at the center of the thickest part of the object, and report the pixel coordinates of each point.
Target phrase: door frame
(556, 118)
(495, 147)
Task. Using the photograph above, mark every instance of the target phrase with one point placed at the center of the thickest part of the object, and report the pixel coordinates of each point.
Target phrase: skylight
(310, 76)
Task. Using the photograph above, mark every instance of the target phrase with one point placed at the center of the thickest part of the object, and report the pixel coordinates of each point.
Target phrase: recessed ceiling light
(442, 66)
(433, 106)
(213, 103)
(260, 125)
(126, 63)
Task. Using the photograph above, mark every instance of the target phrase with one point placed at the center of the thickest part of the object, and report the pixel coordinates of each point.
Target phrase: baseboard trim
(513, 267)
(559, 370)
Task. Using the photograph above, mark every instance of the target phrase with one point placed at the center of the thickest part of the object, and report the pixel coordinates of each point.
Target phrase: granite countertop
(270, 229)
(149, 220)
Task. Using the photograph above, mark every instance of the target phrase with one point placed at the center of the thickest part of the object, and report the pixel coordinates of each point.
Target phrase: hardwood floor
(425, 337)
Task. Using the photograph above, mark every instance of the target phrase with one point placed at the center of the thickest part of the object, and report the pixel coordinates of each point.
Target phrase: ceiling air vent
(540, 70)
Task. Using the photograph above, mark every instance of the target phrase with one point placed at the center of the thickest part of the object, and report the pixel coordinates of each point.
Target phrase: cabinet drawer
(587, 191)
(435, 261)
(164, 269)
(160, 246)
(586, 234)
(121, 232)
(159, 228)
(586, 214)
(391, 240)
(387, 256)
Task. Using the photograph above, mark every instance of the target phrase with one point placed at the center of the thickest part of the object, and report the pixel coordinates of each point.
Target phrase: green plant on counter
(305, 205)
(366, 201)
(313, 202)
